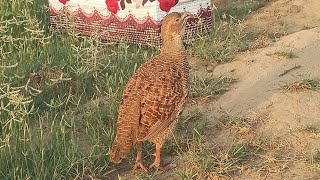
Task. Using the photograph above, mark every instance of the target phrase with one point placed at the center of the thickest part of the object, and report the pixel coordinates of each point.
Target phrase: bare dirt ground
(261, 74)
(288, 121)
(286, 16)
(286, 114)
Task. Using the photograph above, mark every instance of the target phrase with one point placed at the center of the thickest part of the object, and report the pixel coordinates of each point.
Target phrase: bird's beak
(186, 16)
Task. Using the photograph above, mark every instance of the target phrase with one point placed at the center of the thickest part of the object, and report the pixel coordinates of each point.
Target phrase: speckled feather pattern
(152, 101)
(155, 95)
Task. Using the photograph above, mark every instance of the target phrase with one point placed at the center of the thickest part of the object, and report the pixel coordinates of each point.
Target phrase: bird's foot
(156, 165)
(139, 164)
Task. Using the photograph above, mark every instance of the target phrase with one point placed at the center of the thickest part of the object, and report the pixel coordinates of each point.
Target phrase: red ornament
(112, 6)
(166, 5)
(64, 1)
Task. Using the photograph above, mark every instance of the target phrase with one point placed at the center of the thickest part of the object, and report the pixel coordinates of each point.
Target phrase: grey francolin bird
(155, 96)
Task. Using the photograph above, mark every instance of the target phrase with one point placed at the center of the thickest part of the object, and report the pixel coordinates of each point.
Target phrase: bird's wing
(128, 121)
(160, 126)
(162, 103)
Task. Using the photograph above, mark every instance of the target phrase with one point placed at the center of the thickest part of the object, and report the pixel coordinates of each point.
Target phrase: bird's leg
(156, 163)
(138, 160)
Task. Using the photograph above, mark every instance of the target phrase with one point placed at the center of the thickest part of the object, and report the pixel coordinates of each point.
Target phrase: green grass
(59, 96)
(203, 160)
(226, 39)
(209, 86)
(201, 157)
(228, 36)
(239, 9)
(226, 120)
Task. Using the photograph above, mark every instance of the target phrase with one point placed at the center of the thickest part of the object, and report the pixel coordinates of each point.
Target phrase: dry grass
(311, 129)
(203, 159)
(305, 84)
(287, 55)
(283, 54)
(315, 160)
(209, 87)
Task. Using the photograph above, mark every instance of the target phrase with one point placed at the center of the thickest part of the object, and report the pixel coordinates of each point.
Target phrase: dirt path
(286, 16)
(291, 120)
(288, 113)
(259, 71)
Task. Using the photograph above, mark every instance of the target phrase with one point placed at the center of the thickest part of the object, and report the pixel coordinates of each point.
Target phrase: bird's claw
(139, 164)
(156, 165)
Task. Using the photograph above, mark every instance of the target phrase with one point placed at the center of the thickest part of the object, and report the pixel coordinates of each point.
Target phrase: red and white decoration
(134, 21)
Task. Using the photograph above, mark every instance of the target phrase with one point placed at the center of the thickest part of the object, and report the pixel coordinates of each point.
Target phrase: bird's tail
(127, 127)
(121, 147)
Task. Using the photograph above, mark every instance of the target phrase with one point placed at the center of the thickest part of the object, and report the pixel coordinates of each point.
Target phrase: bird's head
(173, 28)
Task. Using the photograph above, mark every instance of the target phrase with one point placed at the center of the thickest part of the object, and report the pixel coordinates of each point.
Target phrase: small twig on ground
(289, 70)
(109, 172)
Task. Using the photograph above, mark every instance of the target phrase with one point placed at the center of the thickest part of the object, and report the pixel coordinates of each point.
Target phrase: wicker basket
(134, 25)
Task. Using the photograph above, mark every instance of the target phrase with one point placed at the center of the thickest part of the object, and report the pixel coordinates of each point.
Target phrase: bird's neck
(175, 52)
(172, 45)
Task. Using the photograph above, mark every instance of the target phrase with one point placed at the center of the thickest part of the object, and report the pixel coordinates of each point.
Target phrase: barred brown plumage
(155, 96)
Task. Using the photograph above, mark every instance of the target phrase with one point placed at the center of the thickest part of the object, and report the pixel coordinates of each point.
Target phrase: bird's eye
(177, 19)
